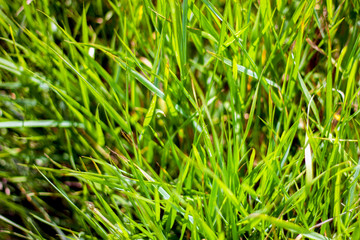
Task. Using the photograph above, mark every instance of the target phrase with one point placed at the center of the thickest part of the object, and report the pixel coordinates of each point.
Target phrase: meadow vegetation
(139, 119)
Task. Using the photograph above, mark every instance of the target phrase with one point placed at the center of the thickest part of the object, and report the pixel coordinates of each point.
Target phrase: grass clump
(179, 119)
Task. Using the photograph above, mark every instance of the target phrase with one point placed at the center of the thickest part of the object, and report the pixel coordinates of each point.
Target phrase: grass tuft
(185, 119)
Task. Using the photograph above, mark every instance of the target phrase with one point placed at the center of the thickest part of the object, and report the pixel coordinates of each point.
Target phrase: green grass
(175, 119)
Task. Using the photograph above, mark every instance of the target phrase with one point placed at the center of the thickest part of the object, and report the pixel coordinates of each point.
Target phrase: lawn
(169, 119)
